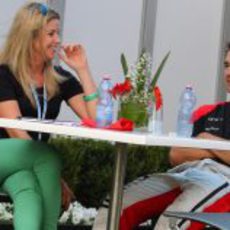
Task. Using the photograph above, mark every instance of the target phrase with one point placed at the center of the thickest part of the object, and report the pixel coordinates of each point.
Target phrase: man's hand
(209, 136)
(180, 155)
(67, 195)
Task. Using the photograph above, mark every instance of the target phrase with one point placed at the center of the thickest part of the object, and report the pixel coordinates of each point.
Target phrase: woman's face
(227, 71)
(46, 44)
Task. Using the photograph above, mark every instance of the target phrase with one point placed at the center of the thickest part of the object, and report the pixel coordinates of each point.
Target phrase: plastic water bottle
(104, 115)
(187, 104)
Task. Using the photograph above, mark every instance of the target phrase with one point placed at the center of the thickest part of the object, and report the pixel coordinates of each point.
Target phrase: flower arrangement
(138, 93)
(6, 212)
(76, 214)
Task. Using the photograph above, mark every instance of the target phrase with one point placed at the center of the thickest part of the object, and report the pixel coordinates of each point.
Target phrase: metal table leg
(117, 189)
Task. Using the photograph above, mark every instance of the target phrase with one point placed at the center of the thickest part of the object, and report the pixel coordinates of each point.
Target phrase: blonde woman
(30, 86)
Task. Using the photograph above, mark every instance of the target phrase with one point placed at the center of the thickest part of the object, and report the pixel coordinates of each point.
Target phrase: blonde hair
(17, 51)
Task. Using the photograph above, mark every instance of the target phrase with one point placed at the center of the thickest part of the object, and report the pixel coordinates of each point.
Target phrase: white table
(121, 139)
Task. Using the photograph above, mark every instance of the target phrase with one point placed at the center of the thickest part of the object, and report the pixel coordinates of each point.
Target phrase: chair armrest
(218, 220)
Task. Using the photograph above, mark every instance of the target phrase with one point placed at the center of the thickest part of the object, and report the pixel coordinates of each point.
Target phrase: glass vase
(156, 122)
(137, 112)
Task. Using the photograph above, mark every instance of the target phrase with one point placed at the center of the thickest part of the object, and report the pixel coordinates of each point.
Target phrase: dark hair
(227, 47)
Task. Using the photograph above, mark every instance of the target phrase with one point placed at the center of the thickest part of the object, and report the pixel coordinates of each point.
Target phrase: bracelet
(91, 97)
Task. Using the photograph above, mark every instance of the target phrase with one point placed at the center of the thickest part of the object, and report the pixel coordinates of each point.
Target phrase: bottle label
(105, 105)
(104, 116)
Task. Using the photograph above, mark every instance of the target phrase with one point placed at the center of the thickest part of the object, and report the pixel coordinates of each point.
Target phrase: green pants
(30, 174)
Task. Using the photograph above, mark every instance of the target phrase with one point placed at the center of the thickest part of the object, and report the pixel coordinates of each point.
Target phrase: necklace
(41, 112)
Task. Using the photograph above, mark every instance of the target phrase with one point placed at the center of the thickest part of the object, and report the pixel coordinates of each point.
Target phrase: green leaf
(124, 64)
(129, 111)
(158, 72)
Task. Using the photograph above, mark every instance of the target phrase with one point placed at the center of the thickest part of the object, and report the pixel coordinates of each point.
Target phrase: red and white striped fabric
(192, 187)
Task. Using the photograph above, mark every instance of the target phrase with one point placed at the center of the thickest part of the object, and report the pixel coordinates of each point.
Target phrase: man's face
(227, 71)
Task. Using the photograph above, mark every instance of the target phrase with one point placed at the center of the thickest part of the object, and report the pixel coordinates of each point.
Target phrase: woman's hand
(75, 57)
(67, 195)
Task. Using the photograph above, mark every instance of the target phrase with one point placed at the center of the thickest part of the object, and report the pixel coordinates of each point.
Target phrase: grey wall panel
(148, 24)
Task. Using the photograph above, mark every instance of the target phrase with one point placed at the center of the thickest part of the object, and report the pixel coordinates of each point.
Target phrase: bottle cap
(189, 86)
(106, 77)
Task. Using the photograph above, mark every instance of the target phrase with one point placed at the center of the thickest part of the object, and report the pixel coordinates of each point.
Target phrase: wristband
(91, 97)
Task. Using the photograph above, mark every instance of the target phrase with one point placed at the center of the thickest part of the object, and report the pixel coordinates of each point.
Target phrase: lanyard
(41, 112)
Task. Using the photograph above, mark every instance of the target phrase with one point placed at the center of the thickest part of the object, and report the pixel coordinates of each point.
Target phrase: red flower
(122, 124)
(158, 97)
(121, 88)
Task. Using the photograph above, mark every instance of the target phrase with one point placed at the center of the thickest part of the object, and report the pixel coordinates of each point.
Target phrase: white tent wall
(7, 12)
(193, 31)
(106, 29)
